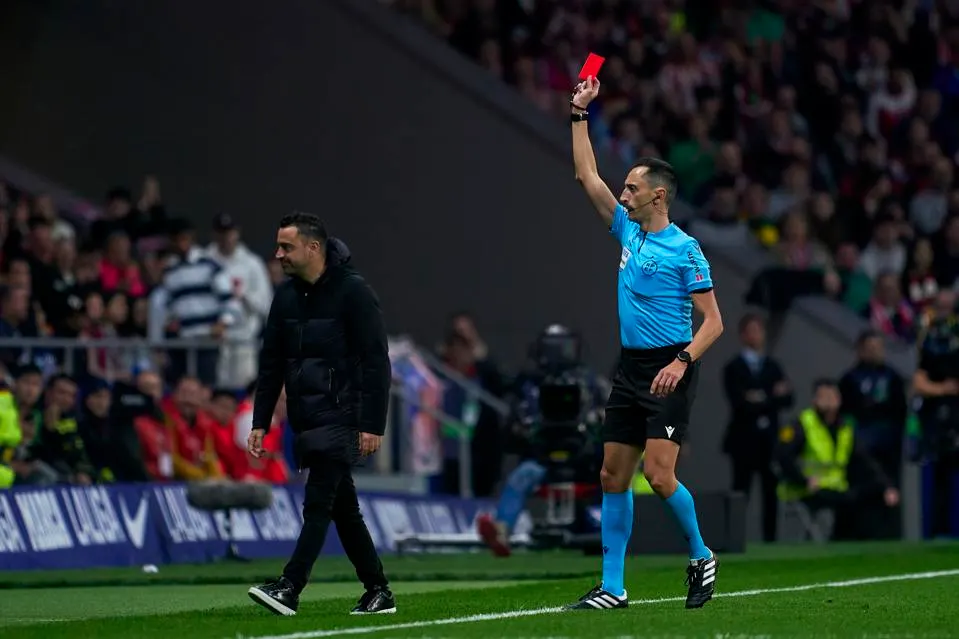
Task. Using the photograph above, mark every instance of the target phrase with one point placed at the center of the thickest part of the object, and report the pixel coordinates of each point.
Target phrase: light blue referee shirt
(657, 274)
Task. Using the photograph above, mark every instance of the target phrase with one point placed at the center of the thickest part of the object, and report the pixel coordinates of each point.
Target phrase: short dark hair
(306, 224)
(60, 377)
(659, 174)
(824, 382)
(750, 318)
(867, 335)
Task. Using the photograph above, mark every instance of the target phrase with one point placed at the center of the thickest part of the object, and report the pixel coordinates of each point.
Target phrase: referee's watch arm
(584, 160)
(712, 326)
(269, 380)
(366, 337)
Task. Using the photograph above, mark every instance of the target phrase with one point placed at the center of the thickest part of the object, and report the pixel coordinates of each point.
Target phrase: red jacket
(194, 450)
(156, 446)
(271, 467)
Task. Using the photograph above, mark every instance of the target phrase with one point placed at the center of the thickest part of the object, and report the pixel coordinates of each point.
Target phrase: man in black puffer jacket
(326, 342)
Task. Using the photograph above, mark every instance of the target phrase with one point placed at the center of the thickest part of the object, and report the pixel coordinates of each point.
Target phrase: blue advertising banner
(140, 524)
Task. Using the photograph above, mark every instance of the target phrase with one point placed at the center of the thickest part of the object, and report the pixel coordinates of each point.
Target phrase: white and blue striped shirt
(195, 293)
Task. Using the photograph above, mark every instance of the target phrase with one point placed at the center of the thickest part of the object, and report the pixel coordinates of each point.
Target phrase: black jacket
(326, 342)
(753, 425)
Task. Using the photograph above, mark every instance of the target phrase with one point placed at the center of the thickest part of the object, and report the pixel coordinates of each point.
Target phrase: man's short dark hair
(867, 335)
(306, 224)
(824, 382)
(60, 377)
(750, 318)
(659, 174)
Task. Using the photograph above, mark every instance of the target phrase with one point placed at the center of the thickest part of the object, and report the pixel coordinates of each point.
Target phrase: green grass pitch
(860, 590)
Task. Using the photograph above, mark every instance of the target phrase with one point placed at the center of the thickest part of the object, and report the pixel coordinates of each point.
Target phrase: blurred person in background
(821, 462)
(191, 303)
(112, 446)
(919, 278)
(17, 321)
(936, 384)
(888, 312)
(58, 442)
(757, 391)
(10, 437)
(855, 289)
(555, 400)
(271, 466)
(481, 422)
(221, 409)
(143, 405)
(119, 272)
(874, 396)
(251, 295)
(885, 253)
(191, 432)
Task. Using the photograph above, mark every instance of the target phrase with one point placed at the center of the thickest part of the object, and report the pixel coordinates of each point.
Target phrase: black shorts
(633, 414)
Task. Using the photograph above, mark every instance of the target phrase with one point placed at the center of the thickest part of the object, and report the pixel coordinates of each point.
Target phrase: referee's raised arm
(583, 158)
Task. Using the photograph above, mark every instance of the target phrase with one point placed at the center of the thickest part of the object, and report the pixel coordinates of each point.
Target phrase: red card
(593, 64)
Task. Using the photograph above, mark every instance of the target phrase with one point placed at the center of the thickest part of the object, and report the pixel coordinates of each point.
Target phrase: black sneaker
(701, 579)
(279, 597)
(378, 601)
(599, 599)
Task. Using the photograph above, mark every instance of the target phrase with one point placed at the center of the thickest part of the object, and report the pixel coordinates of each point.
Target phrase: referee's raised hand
(668, 378)
(585, 92)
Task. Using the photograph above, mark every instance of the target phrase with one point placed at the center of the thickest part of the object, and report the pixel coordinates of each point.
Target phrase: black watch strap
(684, 357)
(579, 117)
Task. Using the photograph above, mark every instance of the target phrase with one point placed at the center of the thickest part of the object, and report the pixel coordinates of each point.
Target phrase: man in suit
(757, 391)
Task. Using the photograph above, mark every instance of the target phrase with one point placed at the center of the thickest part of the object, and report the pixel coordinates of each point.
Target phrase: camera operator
(936, 384)
(556, 410)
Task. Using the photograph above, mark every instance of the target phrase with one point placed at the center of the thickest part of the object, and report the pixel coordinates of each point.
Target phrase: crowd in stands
(117, 403)
(824, 130)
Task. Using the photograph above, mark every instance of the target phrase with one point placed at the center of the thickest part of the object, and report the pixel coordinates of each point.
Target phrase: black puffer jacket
(326, 342)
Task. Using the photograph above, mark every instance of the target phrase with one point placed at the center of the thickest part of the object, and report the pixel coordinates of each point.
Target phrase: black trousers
(745, 467)
(331, 496)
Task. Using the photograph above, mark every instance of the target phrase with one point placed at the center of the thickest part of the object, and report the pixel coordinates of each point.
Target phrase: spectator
(250, 303)
(10, 437)
(796, 250)
(757, 391)
(112, 446)
(936, 384)
(17, 321)
(222, 409)
(884, 254)
(101, 321)
(142, 405)
(119, 216)
(191, 432)
(270, 467)
(823, 464)
(694, 158)
(118, 271)
(46, 209)
(889, 313)
(191, 303)
(919, 279)
(58, 442)
(947, 254)
(855, 286)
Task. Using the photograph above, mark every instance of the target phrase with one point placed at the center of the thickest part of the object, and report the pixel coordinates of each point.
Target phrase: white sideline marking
(494, 616)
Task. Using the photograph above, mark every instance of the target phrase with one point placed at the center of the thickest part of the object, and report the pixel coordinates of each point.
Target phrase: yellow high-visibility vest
(823, 457)
(640, 484)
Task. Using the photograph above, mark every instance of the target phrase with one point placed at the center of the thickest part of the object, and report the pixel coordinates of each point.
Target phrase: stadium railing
(406, 443)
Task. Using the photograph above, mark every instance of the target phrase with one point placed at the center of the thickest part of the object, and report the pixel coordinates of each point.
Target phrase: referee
(662, 276)
(325, 341)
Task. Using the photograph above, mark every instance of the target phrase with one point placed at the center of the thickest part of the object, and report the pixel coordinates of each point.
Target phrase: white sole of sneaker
(386, 611)
(266, 600)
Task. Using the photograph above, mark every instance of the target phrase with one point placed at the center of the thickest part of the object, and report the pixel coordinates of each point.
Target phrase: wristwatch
(684, 357)
(579, 117)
